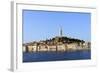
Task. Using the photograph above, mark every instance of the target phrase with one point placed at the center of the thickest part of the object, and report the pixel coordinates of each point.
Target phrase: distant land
(59, 43)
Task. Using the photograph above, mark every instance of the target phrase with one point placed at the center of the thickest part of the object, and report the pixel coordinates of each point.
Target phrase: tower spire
(61, 32)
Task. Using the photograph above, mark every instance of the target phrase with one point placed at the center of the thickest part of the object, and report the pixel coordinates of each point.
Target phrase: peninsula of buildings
(58, 44)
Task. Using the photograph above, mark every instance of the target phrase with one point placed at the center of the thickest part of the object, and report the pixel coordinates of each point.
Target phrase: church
(58, 44)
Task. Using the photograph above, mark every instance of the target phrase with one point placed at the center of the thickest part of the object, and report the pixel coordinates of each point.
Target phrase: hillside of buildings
(58, 43)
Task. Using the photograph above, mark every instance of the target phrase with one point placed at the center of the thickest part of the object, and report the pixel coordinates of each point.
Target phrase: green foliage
(65, 40)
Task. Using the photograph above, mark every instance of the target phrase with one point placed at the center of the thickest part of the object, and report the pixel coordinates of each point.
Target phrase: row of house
(35, 47)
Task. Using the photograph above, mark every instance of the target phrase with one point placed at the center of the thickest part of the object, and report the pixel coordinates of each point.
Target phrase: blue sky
(41, 25)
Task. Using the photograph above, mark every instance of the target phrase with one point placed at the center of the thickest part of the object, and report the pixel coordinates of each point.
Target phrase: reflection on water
(56, 56)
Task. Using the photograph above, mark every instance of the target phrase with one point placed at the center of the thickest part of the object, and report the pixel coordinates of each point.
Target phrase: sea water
(56, 56)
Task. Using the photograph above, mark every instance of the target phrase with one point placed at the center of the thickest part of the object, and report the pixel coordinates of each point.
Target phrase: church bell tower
(61, 32)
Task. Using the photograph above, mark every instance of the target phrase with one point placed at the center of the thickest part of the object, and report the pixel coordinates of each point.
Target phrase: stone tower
(61, 32)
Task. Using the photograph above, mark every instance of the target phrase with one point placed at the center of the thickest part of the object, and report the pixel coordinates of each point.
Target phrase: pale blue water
(56, 56)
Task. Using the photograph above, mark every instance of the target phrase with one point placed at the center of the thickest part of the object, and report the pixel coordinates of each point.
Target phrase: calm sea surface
(56, 56)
